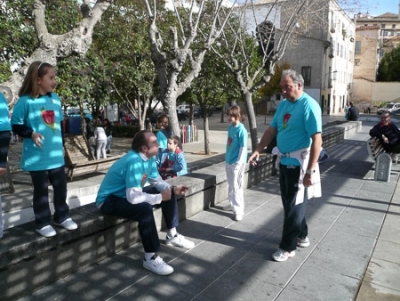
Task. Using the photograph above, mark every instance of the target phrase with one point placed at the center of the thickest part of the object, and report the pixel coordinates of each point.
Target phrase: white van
(390, 107)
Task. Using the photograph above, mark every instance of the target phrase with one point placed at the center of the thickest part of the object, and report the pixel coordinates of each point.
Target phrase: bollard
(383, 167)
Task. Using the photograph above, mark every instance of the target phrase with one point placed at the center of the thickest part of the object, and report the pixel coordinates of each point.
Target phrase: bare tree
(75, 42)
(239, 49)
(178, 63)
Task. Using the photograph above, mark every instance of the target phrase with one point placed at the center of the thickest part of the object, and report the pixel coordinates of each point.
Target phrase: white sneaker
(227, 208)
(158, 266)
(179, 241)
(238, 217)
(303, 242)
(46, 231)
(68, 224)
(282, 255)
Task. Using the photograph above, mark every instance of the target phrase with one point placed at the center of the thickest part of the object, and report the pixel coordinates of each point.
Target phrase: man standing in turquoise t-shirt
(297, 126)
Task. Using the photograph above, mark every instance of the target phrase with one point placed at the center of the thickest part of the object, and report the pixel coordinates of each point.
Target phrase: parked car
(390, 107)
(184, 108)
(197, 112)
(75, 112)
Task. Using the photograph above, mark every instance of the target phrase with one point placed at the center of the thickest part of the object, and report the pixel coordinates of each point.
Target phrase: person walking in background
(37, 117)
(108, 129)
(297, 124)
(124, 193)
(172, 163)
(346, 111)
(235, 158)
(388, 133)
(5, 137)
(353, 112)
(101, 141)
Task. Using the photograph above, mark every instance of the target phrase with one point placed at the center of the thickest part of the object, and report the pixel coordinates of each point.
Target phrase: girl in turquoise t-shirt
(236, 155)
(37, 117)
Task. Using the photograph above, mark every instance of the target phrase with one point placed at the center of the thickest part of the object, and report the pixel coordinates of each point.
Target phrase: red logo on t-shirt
(286, 118)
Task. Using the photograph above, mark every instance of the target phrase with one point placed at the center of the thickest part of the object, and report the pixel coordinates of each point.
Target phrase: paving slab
(353, 253)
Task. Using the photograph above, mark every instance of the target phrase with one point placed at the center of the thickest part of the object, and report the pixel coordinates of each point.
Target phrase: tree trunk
(247, 99)
(207, 150)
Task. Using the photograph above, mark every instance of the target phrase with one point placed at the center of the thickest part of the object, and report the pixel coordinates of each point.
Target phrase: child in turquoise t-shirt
(37, 117)
(236, 155)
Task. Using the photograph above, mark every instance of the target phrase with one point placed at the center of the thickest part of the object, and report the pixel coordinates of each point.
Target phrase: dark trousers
(294, 225)
(143, 214)
(41, 207)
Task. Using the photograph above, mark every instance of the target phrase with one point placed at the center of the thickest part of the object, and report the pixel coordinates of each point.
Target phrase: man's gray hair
(296, 77)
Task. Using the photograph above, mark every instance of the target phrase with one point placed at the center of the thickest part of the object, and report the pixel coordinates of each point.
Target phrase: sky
(378, 7)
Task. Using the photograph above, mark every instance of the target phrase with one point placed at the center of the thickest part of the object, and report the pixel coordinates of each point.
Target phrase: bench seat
(80, 160)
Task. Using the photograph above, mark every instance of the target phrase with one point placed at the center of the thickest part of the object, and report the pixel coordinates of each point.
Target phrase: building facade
(375, 36)
(320, 48)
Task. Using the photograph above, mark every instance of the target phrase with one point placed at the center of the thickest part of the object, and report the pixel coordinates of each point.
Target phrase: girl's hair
(108, 121)
(236, 112)
(30, 84)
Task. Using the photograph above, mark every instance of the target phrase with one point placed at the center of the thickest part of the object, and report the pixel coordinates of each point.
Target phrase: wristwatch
(310, 171)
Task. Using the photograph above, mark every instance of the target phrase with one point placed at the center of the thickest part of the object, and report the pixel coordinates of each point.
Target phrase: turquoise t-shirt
(5, 124)
(237, 138)
(43, 115)
(296, 122)
(131, 171)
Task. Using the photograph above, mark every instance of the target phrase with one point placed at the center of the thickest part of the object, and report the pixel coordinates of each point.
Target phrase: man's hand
(2, 172)
(254, 158)
(166, 194)
(181, 190)
(307, 180)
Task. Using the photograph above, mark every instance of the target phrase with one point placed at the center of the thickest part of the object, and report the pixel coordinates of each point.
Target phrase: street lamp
(329, 79)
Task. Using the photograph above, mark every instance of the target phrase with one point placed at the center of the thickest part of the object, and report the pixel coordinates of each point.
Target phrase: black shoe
(108, 151)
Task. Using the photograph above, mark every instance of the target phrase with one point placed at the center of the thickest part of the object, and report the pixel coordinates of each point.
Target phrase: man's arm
(266, 139)
(315, 150)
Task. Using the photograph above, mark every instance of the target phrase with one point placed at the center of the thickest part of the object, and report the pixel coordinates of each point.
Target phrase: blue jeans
(294, 224)
(143, 214)
(41, 208)
(108, 146)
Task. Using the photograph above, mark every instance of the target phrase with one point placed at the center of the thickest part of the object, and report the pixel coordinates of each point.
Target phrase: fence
(189, 133)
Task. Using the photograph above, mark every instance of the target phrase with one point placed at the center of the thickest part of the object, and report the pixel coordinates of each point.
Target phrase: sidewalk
(354, 240)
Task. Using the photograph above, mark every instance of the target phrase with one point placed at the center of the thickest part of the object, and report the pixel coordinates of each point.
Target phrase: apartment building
(321, 47)
(375, 36)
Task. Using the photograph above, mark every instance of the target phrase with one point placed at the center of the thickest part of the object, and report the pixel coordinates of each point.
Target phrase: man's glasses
(385, 117)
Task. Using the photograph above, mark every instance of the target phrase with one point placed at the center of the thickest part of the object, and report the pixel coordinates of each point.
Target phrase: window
(365, 25)
(393, 26)
(357, 62)
(306, 73)
(358, 47)
(383, 25)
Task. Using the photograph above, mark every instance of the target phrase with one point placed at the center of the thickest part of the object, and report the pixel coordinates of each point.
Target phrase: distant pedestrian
(353, 112)
(346, 111)
(101, 141)
(37, 117)
(108, 129)
(235, 158)
(5, 137)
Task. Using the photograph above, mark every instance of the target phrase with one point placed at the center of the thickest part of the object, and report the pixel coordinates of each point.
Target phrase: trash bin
(74, 125)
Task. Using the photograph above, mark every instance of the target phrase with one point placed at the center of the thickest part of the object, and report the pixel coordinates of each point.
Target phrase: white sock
(148, 256)
(171, 232)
